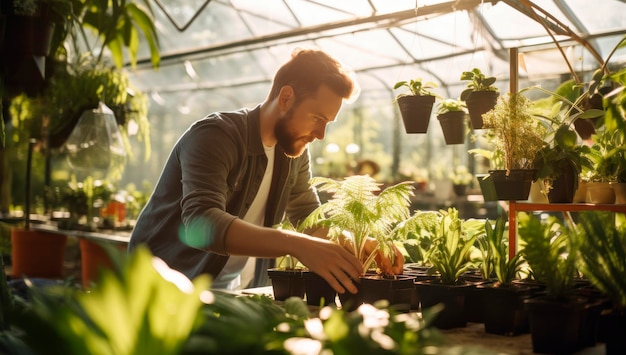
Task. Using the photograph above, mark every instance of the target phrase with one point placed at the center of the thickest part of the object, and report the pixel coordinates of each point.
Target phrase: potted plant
(559, 317)
(461, 179)
(502, 300)
(451, 115)
(357, 212)
(449, 255)
(563, 157)
(604, 257)
(480, 95)
(416, 105)
(517, 136)
(287, 276)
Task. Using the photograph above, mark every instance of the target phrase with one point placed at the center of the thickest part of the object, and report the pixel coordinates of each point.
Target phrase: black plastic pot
(318, 292)
(398, 291)
(453, 126)
(514, 186)
(416, 111)
(452, 297)
(286, 283)
(478, 103)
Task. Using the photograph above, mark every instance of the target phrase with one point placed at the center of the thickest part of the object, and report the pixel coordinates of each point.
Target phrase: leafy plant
(604, 256)
(451, 105)
(461, 175)
(450, 241)
(550, 254)
(562, 148)
(417, 87)
(495, 251)
(513, 130)
(358, 209)
(477, 82)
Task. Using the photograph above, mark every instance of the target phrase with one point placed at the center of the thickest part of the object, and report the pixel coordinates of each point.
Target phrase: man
(233, 175)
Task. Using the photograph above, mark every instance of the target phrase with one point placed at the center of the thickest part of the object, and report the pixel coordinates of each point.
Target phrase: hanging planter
(453, 127)
(416, 106)
(416, 111)
(480, 95)
(478, 103)
(451, 116)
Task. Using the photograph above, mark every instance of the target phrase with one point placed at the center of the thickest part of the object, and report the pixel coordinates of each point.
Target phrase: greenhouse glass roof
(222, 54)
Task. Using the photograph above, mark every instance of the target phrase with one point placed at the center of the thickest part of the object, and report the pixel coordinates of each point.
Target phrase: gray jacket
(210, 178)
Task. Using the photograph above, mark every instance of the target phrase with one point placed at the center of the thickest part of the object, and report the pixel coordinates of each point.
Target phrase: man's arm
(328, 259)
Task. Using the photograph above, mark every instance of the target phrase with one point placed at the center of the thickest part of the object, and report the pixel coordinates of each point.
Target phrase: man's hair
(308, 69)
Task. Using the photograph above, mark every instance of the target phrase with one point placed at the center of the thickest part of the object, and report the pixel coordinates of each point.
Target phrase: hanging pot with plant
(480, 95)
(416, 106)
(451, 115)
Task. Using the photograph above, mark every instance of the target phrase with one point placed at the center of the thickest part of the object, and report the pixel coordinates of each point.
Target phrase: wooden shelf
(515, 206)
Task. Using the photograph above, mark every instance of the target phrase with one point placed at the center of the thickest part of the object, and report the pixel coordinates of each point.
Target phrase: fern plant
(358, 209)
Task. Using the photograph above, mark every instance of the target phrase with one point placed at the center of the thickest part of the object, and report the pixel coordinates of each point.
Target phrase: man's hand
(393, 265)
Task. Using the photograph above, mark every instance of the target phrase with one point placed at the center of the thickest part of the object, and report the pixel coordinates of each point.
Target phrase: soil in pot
(286, 283)
(416, 111)
(397, 290)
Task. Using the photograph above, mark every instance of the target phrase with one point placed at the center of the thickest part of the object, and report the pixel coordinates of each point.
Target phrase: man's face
(303, 123)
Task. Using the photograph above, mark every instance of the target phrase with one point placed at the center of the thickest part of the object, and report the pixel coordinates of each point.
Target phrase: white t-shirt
(239, 270)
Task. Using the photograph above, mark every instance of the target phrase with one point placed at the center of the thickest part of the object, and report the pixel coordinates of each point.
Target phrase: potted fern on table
(361, 217)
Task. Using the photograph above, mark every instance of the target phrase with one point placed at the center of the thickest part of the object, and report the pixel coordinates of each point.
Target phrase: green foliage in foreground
(147, 308)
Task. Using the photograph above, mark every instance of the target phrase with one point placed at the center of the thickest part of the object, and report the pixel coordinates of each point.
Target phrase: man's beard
(291, 144)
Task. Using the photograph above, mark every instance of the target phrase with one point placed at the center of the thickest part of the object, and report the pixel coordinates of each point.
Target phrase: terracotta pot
(600, 193)
(581, 192)
(619, 188)
(37, 254)
(94, 258)
(416, 111)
